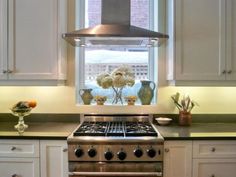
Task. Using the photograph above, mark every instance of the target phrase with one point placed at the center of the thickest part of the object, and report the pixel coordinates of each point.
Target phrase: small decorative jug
(146, 92)
(86, 95)
(185, 118)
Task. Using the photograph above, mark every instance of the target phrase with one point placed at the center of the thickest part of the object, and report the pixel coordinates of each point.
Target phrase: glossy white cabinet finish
(36, 52)
(54, 158)
(177, 158)
(201, 47)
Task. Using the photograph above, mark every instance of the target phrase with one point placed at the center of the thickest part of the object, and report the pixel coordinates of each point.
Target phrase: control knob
(92, 152)
(151, 152)
(79, 152)
(108, 155)
(121, 155)
(138, 152)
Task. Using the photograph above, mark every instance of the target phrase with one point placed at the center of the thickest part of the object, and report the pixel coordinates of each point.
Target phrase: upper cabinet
(3, 37)
(200, 49)
(36, 52)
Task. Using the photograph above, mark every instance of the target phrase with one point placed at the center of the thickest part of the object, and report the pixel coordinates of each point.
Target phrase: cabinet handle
(167, 149)
(15, 175)
(224, 72)
(4, 71)
(13, 148)
(213, 149)
(9, 71)
(65, 150)
(229, 72)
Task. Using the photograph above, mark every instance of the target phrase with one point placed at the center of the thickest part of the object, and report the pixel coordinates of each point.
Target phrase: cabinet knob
(213, 149)
(212, 175)
(13, 148)
(14, 175)
(224, 72)
(167, 149)
(229, 72)
(7, 71)
(65, 150)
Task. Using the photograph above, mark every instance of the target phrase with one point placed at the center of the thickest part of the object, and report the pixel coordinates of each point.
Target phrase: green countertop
(38, 130)
(199, 131)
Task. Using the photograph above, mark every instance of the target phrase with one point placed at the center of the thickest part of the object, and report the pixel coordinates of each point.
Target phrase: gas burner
(116, 128)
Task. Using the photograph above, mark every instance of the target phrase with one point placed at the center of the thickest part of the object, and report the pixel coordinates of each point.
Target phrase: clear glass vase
(21, 113)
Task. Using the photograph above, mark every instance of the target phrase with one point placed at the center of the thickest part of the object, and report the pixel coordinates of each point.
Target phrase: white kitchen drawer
(214, 167)
(19, 148)
(214, 149)
(19, 167)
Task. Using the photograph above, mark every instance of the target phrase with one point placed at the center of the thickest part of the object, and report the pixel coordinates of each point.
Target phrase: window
(91, 62)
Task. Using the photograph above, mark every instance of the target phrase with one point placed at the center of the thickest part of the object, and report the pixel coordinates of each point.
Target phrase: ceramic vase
(185, 118)
(86, 95)
(146, 92)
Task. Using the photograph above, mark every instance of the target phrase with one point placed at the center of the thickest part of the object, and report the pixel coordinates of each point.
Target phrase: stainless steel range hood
(115, 29)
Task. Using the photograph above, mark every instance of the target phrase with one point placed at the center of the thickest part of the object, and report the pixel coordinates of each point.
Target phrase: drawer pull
(213, 149)
(13, 148)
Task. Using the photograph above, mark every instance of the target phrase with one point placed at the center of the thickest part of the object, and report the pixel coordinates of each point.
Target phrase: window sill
(118, 109)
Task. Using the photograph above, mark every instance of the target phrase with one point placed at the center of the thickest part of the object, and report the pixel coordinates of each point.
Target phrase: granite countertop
(199, 131)
(38, 130)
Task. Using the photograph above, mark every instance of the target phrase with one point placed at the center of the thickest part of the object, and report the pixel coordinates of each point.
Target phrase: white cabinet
(202, 41)
(178, 159)
(53, 158)
(19, 158)
(19, 167)
(214, 158)
(36, 50)
(3, 38)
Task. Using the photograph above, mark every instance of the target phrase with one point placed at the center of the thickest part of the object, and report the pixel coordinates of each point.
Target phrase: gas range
(99, 137)
(115, 145)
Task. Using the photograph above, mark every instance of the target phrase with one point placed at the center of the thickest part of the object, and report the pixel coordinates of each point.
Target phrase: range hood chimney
(115, 30)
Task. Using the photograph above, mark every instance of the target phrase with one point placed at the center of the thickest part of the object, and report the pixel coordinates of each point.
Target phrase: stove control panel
(115, 152)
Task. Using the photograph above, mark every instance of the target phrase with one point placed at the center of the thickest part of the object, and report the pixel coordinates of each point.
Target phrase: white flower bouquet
(117, 80)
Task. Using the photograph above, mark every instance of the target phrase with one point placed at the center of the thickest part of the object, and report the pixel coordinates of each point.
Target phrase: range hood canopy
(115, 30)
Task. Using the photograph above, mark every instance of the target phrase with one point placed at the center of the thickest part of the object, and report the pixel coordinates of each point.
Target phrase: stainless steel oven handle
(124, 174)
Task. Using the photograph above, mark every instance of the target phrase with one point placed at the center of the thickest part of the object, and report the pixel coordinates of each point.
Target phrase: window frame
(80, 51)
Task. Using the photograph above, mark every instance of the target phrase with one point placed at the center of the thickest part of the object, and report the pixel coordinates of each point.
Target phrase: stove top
(116, 129)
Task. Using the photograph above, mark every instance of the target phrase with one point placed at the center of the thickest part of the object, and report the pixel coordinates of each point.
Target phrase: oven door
(125, 169)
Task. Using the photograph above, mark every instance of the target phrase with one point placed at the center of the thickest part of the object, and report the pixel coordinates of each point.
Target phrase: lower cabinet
(19, 167)
(205, 158)
(33, 158)
(214, 167)
(53, 158)
(178, 159)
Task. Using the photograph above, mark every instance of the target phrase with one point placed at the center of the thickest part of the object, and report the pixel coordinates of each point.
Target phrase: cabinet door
(231, 40)
(33, 39)
(54, 158)
(200, 39)
(3, 39)
(19, 167)
(178, 159)
(214, 167)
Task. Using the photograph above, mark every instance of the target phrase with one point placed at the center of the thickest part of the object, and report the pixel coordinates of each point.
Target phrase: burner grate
(119, 129)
